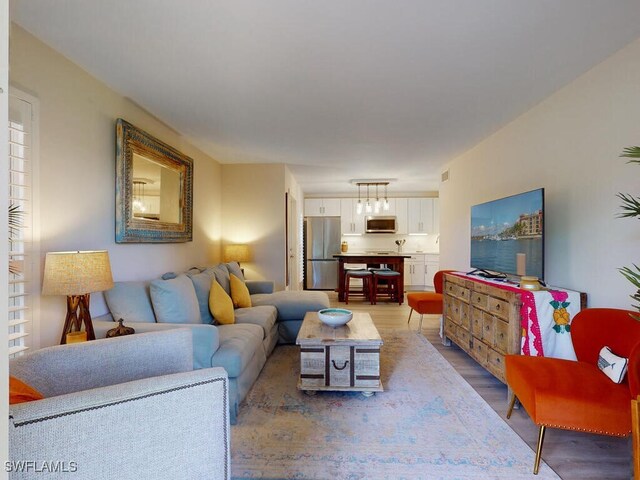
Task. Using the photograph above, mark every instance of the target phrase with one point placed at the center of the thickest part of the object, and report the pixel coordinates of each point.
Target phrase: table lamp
(77, 275)
(237, 253)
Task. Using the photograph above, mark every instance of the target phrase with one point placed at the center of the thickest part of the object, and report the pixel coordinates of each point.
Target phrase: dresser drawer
(476, 321)
(498, 307)
(495, 364)
(479, 351)
(501, 336)
(459, 313)
(457, 290)
(479, 300)
(488, 322)
(464, 338)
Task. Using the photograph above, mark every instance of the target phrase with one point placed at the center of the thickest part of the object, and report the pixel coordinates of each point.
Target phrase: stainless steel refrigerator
(322, 241)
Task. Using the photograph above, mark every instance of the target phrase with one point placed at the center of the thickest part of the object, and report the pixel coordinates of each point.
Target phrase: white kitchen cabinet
(414, 270)
(436, 216)
(420, 215)
(399, 206)
(432, 265)
(322, 207)
(351, 222)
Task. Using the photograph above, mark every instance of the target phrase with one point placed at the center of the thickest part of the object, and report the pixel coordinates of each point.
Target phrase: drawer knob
(498, 307)
(346, 362)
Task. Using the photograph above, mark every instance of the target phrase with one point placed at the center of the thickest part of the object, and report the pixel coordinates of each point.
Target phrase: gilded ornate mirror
(154, 185)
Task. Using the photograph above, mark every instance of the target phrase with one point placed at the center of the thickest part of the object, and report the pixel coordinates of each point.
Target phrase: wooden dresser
(482, 320)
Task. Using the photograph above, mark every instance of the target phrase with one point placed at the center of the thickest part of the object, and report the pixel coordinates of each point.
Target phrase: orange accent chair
(577, 395)
(428, 302)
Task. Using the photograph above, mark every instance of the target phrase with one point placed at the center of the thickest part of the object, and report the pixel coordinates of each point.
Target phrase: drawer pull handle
(498, 307)
(346, 362)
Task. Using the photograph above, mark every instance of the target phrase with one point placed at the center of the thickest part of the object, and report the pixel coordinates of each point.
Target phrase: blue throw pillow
(175, 300)
(202, 285)
(130, 301)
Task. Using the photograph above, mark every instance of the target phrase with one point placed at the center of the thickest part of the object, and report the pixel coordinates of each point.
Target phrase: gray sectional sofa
(182, 300)
(99, 418)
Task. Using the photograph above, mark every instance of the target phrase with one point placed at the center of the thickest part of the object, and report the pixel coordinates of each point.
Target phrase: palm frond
(629, 274)
(630, 206)
(631, 152)
(15, 220)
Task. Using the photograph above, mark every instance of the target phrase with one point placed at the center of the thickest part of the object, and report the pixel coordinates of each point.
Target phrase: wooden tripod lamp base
(78, 314)
(76, 275)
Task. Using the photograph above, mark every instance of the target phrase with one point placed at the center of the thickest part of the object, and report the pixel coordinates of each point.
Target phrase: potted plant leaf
(631, 208)
(15, 222)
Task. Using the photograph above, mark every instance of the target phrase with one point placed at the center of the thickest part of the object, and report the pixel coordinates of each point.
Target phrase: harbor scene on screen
(507, 231)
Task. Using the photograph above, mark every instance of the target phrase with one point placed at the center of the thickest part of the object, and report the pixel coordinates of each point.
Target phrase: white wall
(568, 144)
(77, 172)
(253, 212)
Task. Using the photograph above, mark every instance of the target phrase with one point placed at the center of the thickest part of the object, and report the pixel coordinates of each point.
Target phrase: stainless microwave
(376, 224)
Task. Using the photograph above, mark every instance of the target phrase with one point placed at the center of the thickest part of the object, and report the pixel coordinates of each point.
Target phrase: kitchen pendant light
(378, 205)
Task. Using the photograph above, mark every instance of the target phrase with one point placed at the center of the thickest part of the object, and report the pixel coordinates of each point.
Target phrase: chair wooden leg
(511, 405)
(409, 319)
(536, 465)
(346, 290)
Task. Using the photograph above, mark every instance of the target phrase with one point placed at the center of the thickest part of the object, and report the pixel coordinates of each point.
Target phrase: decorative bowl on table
(335, 317)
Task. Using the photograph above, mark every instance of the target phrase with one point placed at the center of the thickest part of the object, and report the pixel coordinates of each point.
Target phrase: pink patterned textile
(545, 317)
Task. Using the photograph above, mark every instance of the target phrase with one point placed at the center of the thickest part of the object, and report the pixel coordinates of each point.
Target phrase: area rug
(429, 423)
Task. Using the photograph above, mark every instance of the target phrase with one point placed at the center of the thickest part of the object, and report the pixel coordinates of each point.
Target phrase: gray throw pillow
(222, 276)
(234, 267)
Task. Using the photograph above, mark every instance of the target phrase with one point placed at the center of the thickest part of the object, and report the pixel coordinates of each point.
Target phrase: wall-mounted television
(507, 235)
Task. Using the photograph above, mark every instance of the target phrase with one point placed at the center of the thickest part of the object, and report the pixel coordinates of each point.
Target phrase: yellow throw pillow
(220, 304)
(239, 293)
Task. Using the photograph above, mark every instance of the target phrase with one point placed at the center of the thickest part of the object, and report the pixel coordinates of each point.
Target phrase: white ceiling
(336, 89)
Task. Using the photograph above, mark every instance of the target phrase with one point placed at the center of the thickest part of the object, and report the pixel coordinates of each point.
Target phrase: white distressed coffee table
(345, 358)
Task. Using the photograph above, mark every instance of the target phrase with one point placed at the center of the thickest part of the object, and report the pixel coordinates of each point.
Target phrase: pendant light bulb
(367, 206)
(385, 205)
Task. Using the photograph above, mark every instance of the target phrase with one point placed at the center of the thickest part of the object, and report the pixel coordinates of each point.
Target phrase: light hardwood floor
(572, 455)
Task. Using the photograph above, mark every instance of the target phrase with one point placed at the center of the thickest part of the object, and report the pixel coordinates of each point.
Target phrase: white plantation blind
(21, 258)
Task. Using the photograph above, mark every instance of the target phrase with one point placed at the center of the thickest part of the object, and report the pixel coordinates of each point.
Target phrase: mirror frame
(129, 229)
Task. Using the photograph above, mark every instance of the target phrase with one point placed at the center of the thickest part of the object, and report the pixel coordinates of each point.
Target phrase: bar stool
(392, 281)
(365, 276)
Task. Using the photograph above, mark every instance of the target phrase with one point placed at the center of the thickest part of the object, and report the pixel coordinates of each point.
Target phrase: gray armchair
(127, 408)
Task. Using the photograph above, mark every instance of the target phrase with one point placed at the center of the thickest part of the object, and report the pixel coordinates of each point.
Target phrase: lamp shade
(237, 253)
(76, 273)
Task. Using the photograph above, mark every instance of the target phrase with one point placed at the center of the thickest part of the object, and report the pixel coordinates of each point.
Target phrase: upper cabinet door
(420, 215)
(322, 207)
(436, 216)
(352, 222)
(399, 209)
(331, 207)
